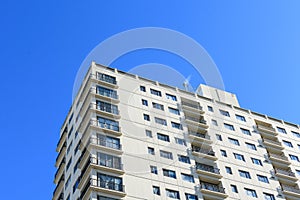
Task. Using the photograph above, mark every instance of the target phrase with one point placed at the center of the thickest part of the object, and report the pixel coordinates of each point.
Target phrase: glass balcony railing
(109, 108)
(212, 187)
(105, 125)
(105, 143)
(195, 106)
(290, 189)
(105, 78)
(208, 168)
(203, 150)
(199, 120)
(285, 172)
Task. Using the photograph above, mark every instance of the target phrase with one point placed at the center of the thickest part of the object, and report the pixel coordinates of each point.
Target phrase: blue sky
(255, 44)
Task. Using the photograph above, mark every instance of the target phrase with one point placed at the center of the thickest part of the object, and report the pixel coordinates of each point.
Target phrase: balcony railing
(105, 93)
(203, 150)
(196, 106)
(208, 168)
(290, 189)
(108, 109)
(62, 162)
(205, 136)
(212, 187)
(282, 157)
(272, 141)
(285, 172)
(106, 163)
(105, 125)
(104, 78)
(105, 143)
(61, 152)
(266, 128)
(199, 120)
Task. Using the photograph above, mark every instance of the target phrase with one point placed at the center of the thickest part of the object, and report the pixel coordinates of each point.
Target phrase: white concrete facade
(115, 132)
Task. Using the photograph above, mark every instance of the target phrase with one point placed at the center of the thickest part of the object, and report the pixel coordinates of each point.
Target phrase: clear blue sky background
(255, 44)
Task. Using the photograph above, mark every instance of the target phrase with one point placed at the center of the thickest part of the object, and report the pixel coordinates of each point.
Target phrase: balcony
(285, 176)
(60, 171)
(273, 145)
(208, 173)
(107, 96)
(290, 192)
(103, 80)
(106, 146)
(101, 165)
(109, 111)
(102, 187)
(212, 191)
(192, 108)
(204, 153)
(279, 160)
(199, 137)
(197, 122)
(266, 131)
(62, 140)
(59, 188)
(61, 155)
(106, 127)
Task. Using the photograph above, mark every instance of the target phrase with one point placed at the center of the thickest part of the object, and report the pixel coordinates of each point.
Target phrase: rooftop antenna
(186, 83)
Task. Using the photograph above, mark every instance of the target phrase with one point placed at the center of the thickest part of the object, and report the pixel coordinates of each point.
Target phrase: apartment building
(127, 137)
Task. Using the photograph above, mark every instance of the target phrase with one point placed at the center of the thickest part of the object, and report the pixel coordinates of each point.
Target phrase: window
(153, 169)
(223, 153)
(176, 125)
(76, 166)
(281, 130)
(256, 161)
(234, 141)
(144, 102)
(146, 117)
(151, 151)
(76, 148)
(214, 122)
(69, 164)
(180, 141)
(239, 156)
(174, 111)
(169, 173)
(109, 161)
(107, 78)
(172, 194)
(166, 154)
(240, 117)
(157, 106)
(244, 174)
(171, 97)
(70, 132)
(293, 157)
(108, 124)
(156, 190)
(110, 182)
(68, 182)
(245, 131)
(262, 178)
(75, 186)
(155, 92)
(160, 121)
(225, 113)
(269, 196)
(234, 188)
(163, 137)
(69, 147)
(228, 170)
(106, 92)
(251, 146)
(296, 134)
(287, 143)
(219, 137)
(210, 109)
(229, 126)
(149, 133)
(108, 141)
(184, 159)
(251, 193)
(188, 178)
(298, 172)
(142, 88)
(190, 197)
